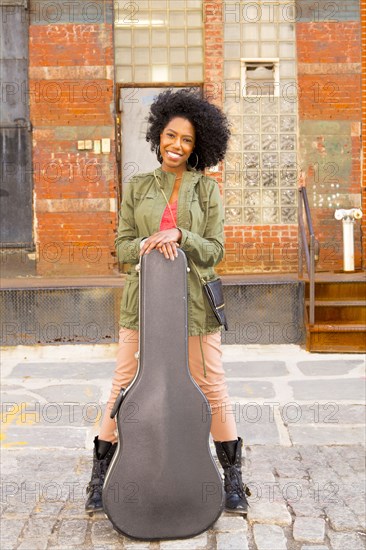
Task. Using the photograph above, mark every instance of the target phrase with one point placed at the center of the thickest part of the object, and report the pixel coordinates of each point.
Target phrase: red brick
(70, 44)
(325, 97)
(327, 42)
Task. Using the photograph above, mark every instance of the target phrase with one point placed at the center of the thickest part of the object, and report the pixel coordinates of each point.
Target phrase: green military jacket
(201, 221)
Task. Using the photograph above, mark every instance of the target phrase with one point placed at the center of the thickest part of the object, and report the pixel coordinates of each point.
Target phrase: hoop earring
(158, 154)
(194, 167)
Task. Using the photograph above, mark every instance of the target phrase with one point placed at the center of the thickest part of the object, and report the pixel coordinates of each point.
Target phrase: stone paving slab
(230, 524)
(131, 545)
(309, 529)
(68, 370)
(250, 389)
(331, 390)
(329, 368)
(12, 396)
(231, 541)
(26, 409)
(101, 533)
(45, 436)
(341, 518)
(269, 537)
(325, 414)
(70, 393)
(261, 432)
(185, 544)
(11, 529)
(306, 506)
(269, 512)
(343, 541)
(72, 532)
(325, 435)
(255, 369)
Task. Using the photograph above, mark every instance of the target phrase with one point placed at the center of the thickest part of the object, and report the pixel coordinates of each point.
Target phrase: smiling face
(177, 142)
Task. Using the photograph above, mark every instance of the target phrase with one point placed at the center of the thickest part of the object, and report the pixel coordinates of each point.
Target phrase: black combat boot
(229, 455)
(102, 456)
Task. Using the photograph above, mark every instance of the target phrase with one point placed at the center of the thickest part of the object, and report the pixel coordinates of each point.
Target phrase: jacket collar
(164, 177)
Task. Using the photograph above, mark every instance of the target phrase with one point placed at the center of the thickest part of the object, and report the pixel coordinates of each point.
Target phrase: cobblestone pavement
(301, 416)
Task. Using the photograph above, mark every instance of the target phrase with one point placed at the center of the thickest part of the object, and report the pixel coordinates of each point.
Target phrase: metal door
(16, 219)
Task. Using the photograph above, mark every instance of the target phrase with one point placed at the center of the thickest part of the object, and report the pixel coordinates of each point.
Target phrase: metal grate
(263, 313)
(258, 313)
(60, 316)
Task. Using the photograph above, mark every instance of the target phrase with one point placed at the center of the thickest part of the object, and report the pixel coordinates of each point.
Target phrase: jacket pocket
(129, 303)
(145, 207)
(142, 195)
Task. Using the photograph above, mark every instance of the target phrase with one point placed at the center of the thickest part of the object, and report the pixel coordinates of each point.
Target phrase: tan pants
(223, 427)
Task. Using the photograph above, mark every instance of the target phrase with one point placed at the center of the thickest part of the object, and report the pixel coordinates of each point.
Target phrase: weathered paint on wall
(72, 99)
(329, 79)
(323, 10)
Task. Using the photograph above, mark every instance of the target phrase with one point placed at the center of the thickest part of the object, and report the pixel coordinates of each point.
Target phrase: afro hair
(210, 124)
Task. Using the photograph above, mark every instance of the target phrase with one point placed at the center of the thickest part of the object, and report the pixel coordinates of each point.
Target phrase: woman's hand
(165, 241)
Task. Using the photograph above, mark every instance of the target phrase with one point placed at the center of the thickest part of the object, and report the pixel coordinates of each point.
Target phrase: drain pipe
(348, 218)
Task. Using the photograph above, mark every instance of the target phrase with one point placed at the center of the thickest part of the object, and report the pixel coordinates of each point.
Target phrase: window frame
(244, 61)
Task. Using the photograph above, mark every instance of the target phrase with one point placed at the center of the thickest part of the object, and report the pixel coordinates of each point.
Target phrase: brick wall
(72, 98)
(260, 249)
(213, 61)
(71, 93)
(329, 78)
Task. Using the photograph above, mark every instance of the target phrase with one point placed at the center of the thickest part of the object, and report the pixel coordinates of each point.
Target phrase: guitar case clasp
(118, 402)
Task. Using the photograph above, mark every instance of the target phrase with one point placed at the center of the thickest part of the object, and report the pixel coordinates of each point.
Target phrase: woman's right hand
(165, 241)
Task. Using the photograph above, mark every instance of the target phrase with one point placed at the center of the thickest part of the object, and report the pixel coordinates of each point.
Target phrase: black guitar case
(163, 482)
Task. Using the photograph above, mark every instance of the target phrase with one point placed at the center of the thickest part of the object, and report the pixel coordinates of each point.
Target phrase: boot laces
(98, 475)
(235, 481)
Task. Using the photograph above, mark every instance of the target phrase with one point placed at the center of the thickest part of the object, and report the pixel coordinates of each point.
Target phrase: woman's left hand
(165, 241)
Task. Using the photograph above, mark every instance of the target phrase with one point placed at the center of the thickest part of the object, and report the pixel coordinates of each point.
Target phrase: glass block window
(260, 185)
(159, 41)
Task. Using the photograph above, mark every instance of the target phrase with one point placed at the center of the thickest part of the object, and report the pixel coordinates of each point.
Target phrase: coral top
(166, 220)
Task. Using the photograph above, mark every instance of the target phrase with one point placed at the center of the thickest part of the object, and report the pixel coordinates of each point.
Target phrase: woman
(177, 206)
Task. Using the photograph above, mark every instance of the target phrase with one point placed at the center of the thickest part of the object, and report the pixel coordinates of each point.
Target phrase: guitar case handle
(118, 402)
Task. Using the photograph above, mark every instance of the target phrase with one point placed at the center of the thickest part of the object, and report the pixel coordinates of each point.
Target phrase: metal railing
(311, 249)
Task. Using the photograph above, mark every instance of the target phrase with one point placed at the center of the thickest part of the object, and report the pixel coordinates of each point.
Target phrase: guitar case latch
(118, 402)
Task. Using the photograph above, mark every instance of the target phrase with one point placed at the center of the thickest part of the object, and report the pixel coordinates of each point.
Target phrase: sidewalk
(301, 417)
